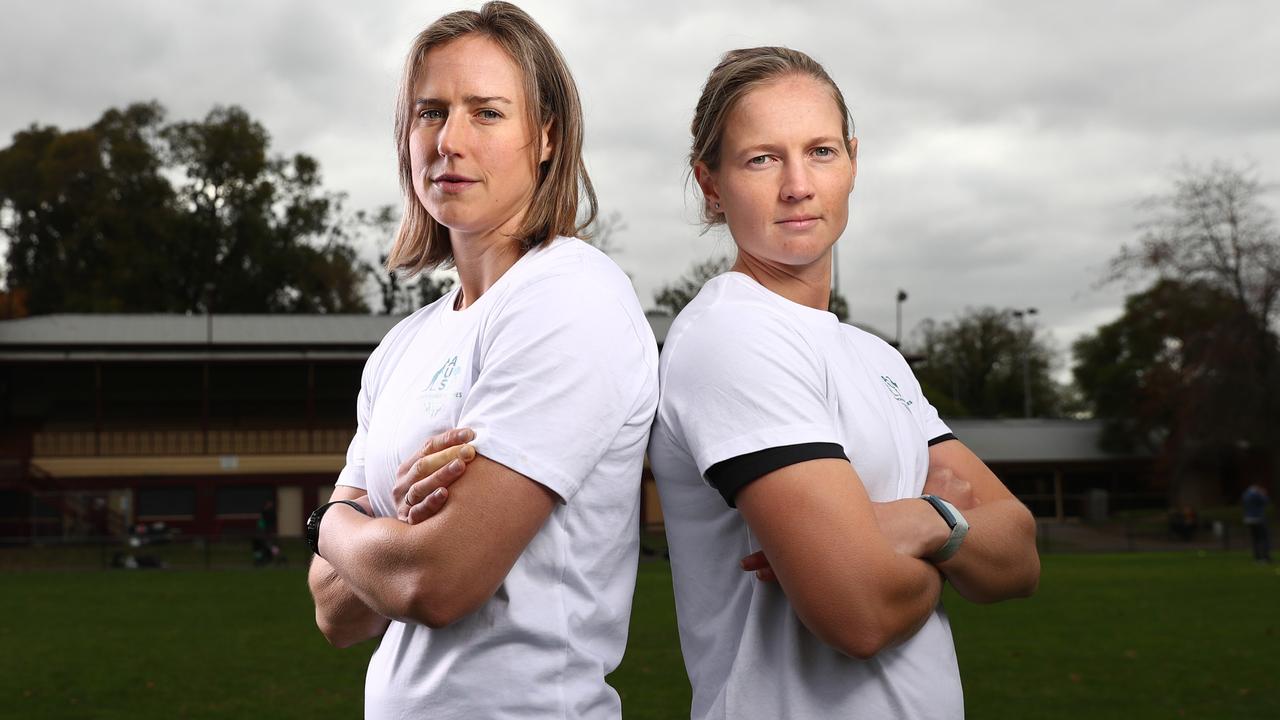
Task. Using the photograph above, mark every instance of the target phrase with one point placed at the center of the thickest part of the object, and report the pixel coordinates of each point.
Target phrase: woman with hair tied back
(814, 501)
(511, 599)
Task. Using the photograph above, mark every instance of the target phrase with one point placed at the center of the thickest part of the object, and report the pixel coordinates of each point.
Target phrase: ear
(853, 159)
(547, 147)
(707, 183)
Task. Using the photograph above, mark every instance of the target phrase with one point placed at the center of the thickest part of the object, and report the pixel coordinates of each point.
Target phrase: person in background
(1254, 503)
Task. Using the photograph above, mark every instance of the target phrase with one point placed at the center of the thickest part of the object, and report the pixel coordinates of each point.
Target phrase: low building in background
(196, 422)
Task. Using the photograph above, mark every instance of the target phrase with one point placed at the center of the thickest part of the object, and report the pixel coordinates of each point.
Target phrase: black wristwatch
(313, 522)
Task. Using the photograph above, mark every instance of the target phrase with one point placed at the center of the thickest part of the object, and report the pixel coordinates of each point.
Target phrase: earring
(717, 206)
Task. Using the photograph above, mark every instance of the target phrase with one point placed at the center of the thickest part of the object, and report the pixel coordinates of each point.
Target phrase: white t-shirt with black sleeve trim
(751, 380)
(555, 368)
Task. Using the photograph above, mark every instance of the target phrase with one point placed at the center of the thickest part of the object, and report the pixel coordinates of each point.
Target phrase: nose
(796, 183)
(452, 136)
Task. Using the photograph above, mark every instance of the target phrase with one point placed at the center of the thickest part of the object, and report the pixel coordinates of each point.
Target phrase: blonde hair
(551, 99)
(740, 72)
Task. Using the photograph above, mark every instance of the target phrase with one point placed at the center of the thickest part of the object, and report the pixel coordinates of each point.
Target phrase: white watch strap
(958, 530)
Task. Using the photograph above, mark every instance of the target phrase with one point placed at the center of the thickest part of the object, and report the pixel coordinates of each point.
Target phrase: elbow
(427, 603)
(860, 637)
(335, 634)
(863, 645)
(862, 640)
(1029, 579)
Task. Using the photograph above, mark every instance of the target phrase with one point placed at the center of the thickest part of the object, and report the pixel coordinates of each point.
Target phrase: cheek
(419, 145)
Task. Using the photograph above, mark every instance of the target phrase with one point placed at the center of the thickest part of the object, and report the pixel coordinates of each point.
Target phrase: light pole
(897, 337)
(1026, 358)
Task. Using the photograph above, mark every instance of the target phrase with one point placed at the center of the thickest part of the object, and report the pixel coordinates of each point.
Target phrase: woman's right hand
(422, 481)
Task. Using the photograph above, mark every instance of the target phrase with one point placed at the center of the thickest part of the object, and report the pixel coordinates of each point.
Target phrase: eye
(430, 114)
(488, 114)
(759, 160)
(825, 152)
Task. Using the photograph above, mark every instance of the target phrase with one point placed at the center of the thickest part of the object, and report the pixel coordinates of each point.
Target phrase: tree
(1213, 227)
(976, 362)
(134, 214)
(1189, 372)
(400, 294)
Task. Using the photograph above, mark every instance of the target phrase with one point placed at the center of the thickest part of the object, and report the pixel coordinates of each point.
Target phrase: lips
(452, 182)
(799, 222)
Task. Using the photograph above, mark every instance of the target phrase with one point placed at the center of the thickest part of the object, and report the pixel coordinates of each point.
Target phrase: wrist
(315, 522)
(934, 530)
(955, 521)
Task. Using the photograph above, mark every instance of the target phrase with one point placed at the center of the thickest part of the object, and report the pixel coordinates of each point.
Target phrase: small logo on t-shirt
(437, 389)
(893, 388)
(441, 379)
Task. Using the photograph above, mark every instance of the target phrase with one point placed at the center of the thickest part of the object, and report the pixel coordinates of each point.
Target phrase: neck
(483, 257)
(808, 285)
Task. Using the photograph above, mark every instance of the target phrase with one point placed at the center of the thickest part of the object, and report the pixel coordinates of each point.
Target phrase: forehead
(470, 65)
(792, 107)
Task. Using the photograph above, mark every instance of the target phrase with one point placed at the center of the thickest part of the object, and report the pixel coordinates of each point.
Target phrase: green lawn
(1123, 636)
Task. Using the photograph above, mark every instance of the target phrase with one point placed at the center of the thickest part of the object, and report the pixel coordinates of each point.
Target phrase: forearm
(342, 617)
(998, 559)
(374, 561)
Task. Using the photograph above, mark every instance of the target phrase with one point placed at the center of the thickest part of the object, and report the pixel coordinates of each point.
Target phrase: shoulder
(875, 348)
(729, 333)
(730, 315)
(572, 291)
(403, 332)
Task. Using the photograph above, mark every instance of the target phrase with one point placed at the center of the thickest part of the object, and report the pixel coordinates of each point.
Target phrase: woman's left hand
(422, 481)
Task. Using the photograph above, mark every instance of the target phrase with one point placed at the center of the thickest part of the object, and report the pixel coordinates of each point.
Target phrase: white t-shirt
(744, 370)
(555, 368)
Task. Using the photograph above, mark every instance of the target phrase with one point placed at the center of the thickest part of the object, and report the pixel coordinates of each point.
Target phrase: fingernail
(455, 465)
(468, 435)
(439, 493)
(468, 452)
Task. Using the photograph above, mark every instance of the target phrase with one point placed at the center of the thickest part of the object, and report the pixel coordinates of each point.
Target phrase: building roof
(1034, 440)
(192, 337)
(161, 337)
(102, 330)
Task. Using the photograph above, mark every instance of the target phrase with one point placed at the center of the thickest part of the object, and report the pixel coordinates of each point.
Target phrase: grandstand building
(107, 421)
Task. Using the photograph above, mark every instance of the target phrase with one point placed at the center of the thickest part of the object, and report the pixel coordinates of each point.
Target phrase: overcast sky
(1003, 145)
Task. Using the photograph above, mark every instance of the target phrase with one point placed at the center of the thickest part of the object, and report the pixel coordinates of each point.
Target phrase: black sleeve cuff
(942, 438)
(730, 476)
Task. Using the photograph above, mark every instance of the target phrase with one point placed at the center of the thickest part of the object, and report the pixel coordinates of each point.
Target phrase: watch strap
(313, 522)
(955, 520)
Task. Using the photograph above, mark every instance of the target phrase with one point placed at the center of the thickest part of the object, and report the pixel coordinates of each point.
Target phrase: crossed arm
(998, 559)
(851, 568)
(433, 572)
(848, 585)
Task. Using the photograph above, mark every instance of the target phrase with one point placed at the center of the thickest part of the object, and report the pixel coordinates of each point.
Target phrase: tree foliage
(974, 365)
(1189, 371)
(137, 214)
(1168, 371)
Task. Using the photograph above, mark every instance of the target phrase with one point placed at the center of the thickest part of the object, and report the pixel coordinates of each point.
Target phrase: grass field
(1108, 636)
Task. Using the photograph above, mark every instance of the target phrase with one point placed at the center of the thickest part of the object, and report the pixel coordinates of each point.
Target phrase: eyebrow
(468, 99)
(772, 147)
